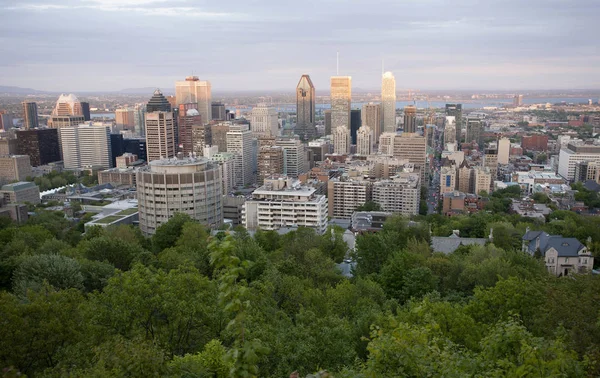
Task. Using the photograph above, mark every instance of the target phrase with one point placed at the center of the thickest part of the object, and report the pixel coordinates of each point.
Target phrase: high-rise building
(188, 118)
(264, 121)
(355, 124)
(490, 161)
(388, 102)
(270, 162)
(573, 154)
(364, 144)
(30, 115)
(503, 150)
(328, 129)
(455, 110)
(474, 130)
(136, 146)
(371, 116)
(399, 195)
(341, 100)
(218, 111)
(86, 146)
(8, 146)
(6, 120)
(67, 105)
(465, 178)
(430, 135)
(159, 128)
(482, 179)
(158, 103)
(239, 142)
(201, 138)
(345, 195)
(85, 111)
(410, 119)
(20, 192)
(319, 149)
(341, 140)
(449, 130)
(14, 168)
(139, 119)
(226, 161)
(41, 145)
(194, 90)
(412, 147)
(116, 147)
(294, 156)
(386, 143)
(305, 109)
(518, 100)
(191, 186)
(124, 118)
(447, 179)
(219, 135)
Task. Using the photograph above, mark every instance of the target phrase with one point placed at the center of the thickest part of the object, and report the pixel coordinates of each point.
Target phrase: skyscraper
(194, 90)
(139, 115)
(41, 145)
(413, 148)
(67, 112)
(30, 115)
(264, 121)
(305, 109)
(160, 131)
(341, 140)
(85, 146)
(158, 103)
(341, 100)
(449, 130)
(239, 142)
(355, 124)
(371, 116)
(364, 143)
(85, 111)
(503, 150)
(388, 102)
(473, 130)
(410, 119)
(455, 110)
(218, 111)
(188, 118)
(328, 122)
(294, 156)
(124, 118)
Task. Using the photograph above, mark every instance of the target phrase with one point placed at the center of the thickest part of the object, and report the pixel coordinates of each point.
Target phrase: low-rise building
(116, 213)
(117, 177)
(20, 192)
(563, 256)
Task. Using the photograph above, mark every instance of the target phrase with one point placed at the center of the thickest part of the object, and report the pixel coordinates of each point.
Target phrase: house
(561, 255)
(449, 244)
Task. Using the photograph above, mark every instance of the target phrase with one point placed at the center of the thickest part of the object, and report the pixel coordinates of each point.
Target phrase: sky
(104, 45)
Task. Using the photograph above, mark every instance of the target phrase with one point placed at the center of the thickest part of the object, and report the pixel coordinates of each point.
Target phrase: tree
(117, 252)
(59, 272)
(211, 362)
(369, 206)
(167, 234)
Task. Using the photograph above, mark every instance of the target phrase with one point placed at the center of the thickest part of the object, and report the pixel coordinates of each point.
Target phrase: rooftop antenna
(338, 64)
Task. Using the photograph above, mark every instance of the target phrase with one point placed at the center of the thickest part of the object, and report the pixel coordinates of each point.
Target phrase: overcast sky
(87, 45)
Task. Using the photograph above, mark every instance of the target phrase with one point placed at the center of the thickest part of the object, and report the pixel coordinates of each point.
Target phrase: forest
(190, 303)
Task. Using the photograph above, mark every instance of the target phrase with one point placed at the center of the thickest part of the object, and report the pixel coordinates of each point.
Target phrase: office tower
(85, 111)
(473, 130)
(160, 135)
(341, 140)
(8, 146)
(136, 146)
(341, 100)
(386, 143)
(449, 130)
(503, 150)
(67, 105)
(173, 101)
(482, 180)
(41, 145)
(319, 149)
(219, 135)
(20, 192)
(194, 90)
(399, 195)
(490, 161)
(355, 124)
(345, 195)
(576, 152)
(465, 178)
(116, 147)
(388, 102)
(410, 119)
(270, 162)
(294, 156)
(14, 168)
(412, 147)
(371, 116)
(239, 142)
(201, 138)
(194, 187)
(139, 119)
(158, 103)
(124, 118)
(86, 146)
(218, 111)
(263, 121)
(430, 135)
(30, 115)
(188, 117)
(305, 109)
(364, 144)
(226, 161)
(455, 110)
(518, 100)
(447, 179)
(285, 203)
(6, 120)
(327, 114)
(125, 160)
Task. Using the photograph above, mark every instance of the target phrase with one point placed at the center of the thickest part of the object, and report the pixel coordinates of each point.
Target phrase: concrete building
(575, 153)
(67, 112)
(305, 109)
(482, 180)
(285, 203)
(319, 149)
(8, 146)
(218, 111)
(6, 120)
(327, 115)
(233, 207)
(453, 203)
(413, 148)
(270, 162)
(503, 150)
(386, 143)
(20, 192)
(345, 195)
(219, 135)
(563, 256)
(371, 116)
(465, 182)
(410, 119)
(14, 168)
(193, 90)
(125, 119)
(341, 101)
(58, 122)
(294, 156)
(86, 146)
(239, 142)
(160, 135)
(190, 186)
(388, 102)
(455, 110)
(490, 161)
(450, 130)
(474, 130)
(587, 170)
(341, 140)
(263, 121)
(448, 180)
(535, 142)
(41, 145)
(122, 176)
(30, 115)
(400, 195)
(364, 141)
(226, 161)
(125, 160)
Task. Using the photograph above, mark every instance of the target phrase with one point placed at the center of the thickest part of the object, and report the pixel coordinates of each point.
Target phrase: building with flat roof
(86, 146)
(14, 168)
(30, 115)
(285, 202)
(341, 99)
(575, 153)
(264, 121)
(20, 192)
(345, 195)
(197, 91)
(388, 102)
(400, 194)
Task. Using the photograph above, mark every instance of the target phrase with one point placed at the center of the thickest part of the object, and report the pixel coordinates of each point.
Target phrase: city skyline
(508, 45)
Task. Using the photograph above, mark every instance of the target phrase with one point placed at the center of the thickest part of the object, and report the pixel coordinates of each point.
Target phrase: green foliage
(167, 234)
(369, 206)
(211, 362)
(59, 272)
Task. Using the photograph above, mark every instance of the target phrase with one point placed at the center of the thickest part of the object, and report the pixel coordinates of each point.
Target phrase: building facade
(400, 195)
(455, 110)
(573, 154)
(270, 163)
(193, 90)
(341, 101)
(341, 140)
(294, 156)
(86, 146)
(364, 141)
(41, 145)
(14, 168)
(410, 119)
(305, 109)
(30, 115)
(239, 142)
(345, 195)
(264, 121)
(371, 116)
(388, 102)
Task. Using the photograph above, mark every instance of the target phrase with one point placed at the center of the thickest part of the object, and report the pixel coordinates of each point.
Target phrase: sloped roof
(449, 244)
(566, 247)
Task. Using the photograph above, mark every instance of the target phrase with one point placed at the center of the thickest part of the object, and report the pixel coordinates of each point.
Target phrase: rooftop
(18, 186)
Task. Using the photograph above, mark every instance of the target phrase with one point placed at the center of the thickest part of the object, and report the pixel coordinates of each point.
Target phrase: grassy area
(109, 219)
(128, 211)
